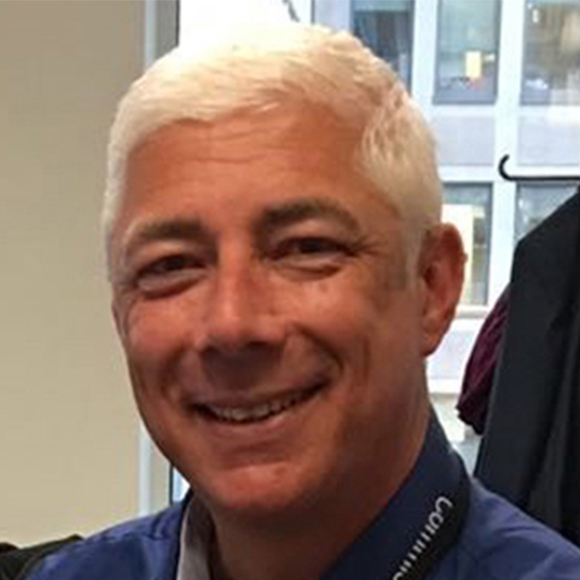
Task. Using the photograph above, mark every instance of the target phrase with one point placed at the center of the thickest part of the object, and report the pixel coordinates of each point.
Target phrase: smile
(261, 411)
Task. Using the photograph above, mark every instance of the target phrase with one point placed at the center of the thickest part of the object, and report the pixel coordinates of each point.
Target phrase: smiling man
(279, 275)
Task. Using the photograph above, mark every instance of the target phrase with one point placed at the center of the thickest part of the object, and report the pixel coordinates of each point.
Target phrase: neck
(305, 547)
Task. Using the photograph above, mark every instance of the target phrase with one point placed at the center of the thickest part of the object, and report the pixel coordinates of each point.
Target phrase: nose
(240, 318)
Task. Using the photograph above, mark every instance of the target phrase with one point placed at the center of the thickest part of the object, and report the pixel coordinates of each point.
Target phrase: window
(468, 207)
(386, 26)
(467, 51)
(552, 52)
(537, 202)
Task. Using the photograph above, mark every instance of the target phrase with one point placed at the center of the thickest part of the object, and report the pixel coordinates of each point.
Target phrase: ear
(441, 265)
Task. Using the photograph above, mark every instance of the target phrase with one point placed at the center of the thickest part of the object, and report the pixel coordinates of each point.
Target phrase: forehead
(295, 135)
(244, 163)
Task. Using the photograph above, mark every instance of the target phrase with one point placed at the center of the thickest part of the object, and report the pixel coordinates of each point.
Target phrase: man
(279, 274)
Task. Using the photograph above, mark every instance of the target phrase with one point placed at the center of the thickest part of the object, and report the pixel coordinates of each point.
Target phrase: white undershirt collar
(195, 541)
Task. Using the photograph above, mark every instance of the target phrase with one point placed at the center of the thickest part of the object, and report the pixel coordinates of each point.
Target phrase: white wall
(201, 20)
(68, 429)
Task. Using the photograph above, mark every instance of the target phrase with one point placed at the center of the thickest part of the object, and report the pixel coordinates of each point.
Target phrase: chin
(258, 493)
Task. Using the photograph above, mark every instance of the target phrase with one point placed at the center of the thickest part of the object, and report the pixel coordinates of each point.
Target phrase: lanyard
(439, 533)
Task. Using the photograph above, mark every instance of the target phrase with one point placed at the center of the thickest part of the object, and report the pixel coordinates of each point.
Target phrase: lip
(257, 410)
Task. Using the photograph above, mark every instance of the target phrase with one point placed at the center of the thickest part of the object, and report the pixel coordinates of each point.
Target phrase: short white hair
(259, 68)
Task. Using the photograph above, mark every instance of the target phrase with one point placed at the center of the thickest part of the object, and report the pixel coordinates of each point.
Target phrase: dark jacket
(530, 452)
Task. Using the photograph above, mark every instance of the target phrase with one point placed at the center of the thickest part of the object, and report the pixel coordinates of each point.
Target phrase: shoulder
(500, 542)
(138, 549)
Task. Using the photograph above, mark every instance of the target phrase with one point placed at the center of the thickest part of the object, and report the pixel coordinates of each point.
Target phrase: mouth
(244, 414)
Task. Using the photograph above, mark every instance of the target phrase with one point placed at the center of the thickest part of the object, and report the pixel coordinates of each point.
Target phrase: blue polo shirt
(496, 541)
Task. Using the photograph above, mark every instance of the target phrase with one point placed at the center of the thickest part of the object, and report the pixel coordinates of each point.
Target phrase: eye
(313, 253)
(169, 274)
(314, 246)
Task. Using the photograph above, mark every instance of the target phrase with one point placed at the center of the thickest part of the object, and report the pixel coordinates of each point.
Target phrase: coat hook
(532, 178)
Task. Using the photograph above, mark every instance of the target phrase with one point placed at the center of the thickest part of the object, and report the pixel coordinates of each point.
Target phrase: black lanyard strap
(439, 533)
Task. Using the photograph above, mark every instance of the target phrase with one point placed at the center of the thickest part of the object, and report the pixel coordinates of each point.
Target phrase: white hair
(259, 68)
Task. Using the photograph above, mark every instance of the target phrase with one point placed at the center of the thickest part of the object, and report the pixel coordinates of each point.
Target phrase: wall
(68, 430)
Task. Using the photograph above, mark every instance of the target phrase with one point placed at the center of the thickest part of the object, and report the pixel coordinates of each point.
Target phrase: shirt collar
(384, 545)
(195, 542)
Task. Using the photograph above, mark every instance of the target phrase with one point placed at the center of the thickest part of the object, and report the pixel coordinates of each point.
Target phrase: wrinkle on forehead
(295, 122)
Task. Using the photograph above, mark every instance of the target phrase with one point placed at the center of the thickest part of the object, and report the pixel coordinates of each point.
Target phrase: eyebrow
(273, 218)
(296, 211)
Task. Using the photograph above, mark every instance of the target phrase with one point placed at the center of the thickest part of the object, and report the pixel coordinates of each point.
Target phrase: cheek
(152, 344)
(347, 310)
(155, 324)
(374, 332)
(348, 323)
(153, 337)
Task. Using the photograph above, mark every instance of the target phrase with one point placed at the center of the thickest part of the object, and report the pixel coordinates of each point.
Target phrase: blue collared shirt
(496, 542)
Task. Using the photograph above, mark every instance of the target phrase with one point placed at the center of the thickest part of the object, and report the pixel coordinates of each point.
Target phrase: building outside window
(467, 51)
(536, 202)
(387, 27)
(551, 72)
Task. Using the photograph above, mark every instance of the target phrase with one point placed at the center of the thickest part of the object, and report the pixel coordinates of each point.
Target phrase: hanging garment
(477, 381)
(530, 452)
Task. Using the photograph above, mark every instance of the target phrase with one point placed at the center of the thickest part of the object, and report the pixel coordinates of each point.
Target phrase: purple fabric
(478, 377)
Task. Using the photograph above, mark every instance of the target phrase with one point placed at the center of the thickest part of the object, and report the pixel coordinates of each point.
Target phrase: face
(274, 337)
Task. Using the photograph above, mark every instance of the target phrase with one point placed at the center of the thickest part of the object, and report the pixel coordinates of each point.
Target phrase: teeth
(257, 413)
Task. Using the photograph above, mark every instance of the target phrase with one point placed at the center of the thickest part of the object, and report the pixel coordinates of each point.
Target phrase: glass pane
(537, 202)
(468, 206)
(467, 51)
(386, 26)
(552, 52)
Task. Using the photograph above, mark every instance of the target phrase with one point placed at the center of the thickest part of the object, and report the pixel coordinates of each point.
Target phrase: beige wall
(68, 431)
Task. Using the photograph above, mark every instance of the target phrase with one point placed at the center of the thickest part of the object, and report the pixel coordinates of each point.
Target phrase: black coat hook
(533, 178)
